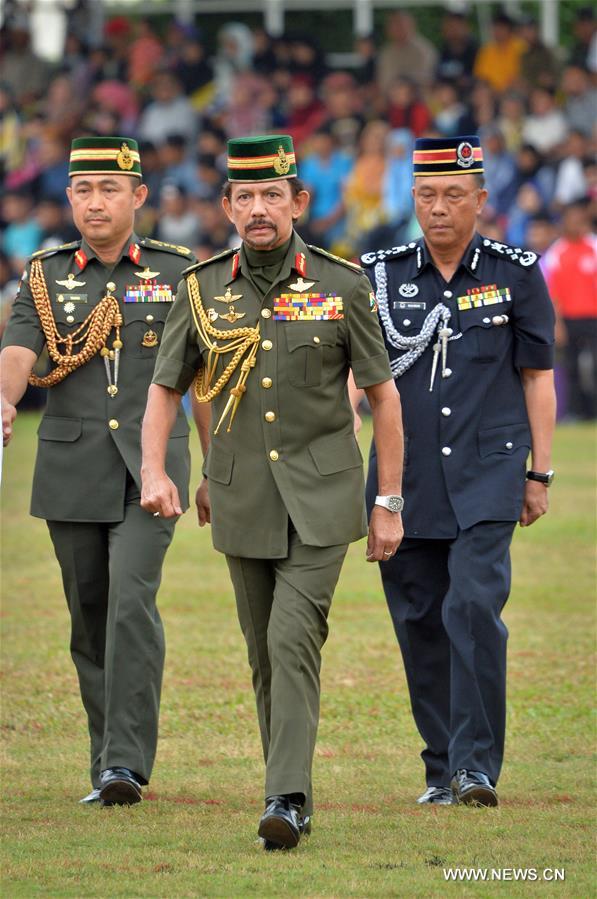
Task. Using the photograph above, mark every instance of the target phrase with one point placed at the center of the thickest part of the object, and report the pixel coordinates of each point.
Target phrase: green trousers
(111, 574)
(283, 606)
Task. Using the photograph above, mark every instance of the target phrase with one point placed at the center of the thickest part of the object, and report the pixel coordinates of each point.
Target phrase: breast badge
(300, 285)
(150, 339)
(408, 290)
(69, 282)
(228, 297)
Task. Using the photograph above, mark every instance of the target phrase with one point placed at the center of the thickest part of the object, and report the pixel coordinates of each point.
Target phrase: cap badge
(124, 159)
(465, 157)
(408, 290)
(282, 163)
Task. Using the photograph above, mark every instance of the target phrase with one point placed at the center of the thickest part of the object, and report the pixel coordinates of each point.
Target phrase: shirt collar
(296, 246)
(131, 241)
(470, 257)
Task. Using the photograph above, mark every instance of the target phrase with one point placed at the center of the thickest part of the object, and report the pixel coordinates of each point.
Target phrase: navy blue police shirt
(467, 438)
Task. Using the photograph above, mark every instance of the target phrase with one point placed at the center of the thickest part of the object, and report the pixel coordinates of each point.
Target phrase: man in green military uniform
(272, 331)
(99, 305)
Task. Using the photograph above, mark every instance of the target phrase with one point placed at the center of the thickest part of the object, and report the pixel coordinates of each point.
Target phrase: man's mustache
(260, 224)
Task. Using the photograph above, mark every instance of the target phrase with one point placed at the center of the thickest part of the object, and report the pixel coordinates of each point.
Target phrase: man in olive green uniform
(272, 330)
(99, 305)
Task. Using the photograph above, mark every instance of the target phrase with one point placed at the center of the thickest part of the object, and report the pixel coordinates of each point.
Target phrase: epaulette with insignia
(204, 262)
(525, 258)
(49, 251)
(353, 265)
(391, 253)
(167, 247)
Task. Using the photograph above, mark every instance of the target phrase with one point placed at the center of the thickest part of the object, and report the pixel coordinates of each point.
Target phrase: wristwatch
(544, 477)
(392, 503)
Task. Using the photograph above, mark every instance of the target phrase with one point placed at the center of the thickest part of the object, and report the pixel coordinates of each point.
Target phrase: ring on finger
(156, 514)
(388, 554)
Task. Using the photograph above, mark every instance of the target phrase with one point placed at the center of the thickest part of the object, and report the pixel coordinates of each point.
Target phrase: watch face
(395, 503)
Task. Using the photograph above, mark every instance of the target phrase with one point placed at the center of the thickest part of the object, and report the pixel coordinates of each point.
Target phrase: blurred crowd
(182, 96)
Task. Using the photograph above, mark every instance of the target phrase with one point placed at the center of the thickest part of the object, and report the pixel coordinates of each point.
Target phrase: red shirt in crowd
(572, 276)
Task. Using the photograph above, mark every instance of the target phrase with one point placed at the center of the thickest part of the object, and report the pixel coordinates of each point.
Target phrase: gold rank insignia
(229, 297)
(146, 274)
(70, 282)
(150, 338)
(300, 285)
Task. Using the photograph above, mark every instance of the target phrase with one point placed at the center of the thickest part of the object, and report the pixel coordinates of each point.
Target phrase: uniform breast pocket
(306, 343)
(486, 331)
(70, 311)
(143, 328)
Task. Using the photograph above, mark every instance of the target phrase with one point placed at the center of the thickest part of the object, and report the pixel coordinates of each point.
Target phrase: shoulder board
(49, 251)
(204, 262)
(166, 247)
(391, 253)
(352, 265)
(517, 255)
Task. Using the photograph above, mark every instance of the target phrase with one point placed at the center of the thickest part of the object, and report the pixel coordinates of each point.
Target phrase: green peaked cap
(268, 157)
(101, 155)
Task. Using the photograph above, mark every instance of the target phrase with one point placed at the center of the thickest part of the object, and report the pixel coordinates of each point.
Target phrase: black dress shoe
(474, 788)
(119, 787)
(436, 796)
(280, 825)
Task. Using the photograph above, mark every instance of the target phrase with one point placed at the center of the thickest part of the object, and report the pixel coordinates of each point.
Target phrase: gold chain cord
(92, 333)
(239, 342)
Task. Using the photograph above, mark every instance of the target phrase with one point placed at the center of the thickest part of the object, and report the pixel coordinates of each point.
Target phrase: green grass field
(196, 834)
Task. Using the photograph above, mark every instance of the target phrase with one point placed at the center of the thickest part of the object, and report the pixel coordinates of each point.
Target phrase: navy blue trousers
(445, 598)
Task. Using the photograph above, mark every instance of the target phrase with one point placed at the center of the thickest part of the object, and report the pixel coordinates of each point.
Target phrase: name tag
(149, 293)
(72, 298)
(408, 304)
(308, 307)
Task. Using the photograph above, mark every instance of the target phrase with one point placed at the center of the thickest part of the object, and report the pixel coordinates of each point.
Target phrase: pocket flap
(218, 465)
(64, 429)
(310, 334)
(138, 312)
(506, 439)
(336, 453)
(483, 316)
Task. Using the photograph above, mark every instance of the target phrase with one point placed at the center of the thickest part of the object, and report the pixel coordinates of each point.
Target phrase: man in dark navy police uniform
(469, 328)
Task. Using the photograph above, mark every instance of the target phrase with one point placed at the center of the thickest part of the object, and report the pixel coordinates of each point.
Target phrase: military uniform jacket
(291, 451)
(468, 438)
(88, 440)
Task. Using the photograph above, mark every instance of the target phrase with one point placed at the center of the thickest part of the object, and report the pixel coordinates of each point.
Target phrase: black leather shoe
(473, 788)
(119, 787)
(92, 797)
(280, 825)
(437, 796)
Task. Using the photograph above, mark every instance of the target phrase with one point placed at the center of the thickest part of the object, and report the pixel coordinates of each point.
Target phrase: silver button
(70, 319)
(509, 445)
(487, 321)
(448, 294)
(266, 313)
(406, 322)
(446, 411)
(499, 319)
(446, 451)
(446, 373)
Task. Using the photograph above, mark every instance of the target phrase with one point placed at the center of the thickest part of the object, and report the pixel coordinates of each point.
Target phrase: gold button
(110, 285)
(274, 456)
(266, 344)
(266, 313)
(270, 416)
(316, 339)
(70, 319)
(266, 382)
(113, 424)
(149, 319)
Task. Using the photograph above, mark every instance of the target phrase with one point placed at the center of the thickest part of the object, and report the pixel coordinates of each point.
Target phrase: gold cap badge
(124, 159)
(282, 163)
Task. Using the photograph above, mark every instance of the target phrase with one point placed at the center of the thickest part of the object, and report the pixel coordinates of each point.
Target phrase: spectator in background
(452, 116)
(365, 50)
(307, 57)
(580, 99)
(115, 62)
(584, 49)
(177, 224)
(264, 57)
(11, 145)
(193, 69)
(175, 164)
(571, 184)
(528, 203)
(62, 107)
(343, 110)
(458, 49)
(397, 179)
(24, 72)
(215, 232)
(304, 111)
(52, 159)
(531, 166)
(145, 54)
(511, 119)
(405, 108)
(546, 127)
(22, 233)
(55, 230)
(483, 104)
(247, 108)
(208, 177)
(572, 278)
(169, 111)
(116, 103)
(498, 61)
(500, 170)
(539, 66)
(405, 53)
(324, 171)
(234, 57)
(363, 192)
(540, 234)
